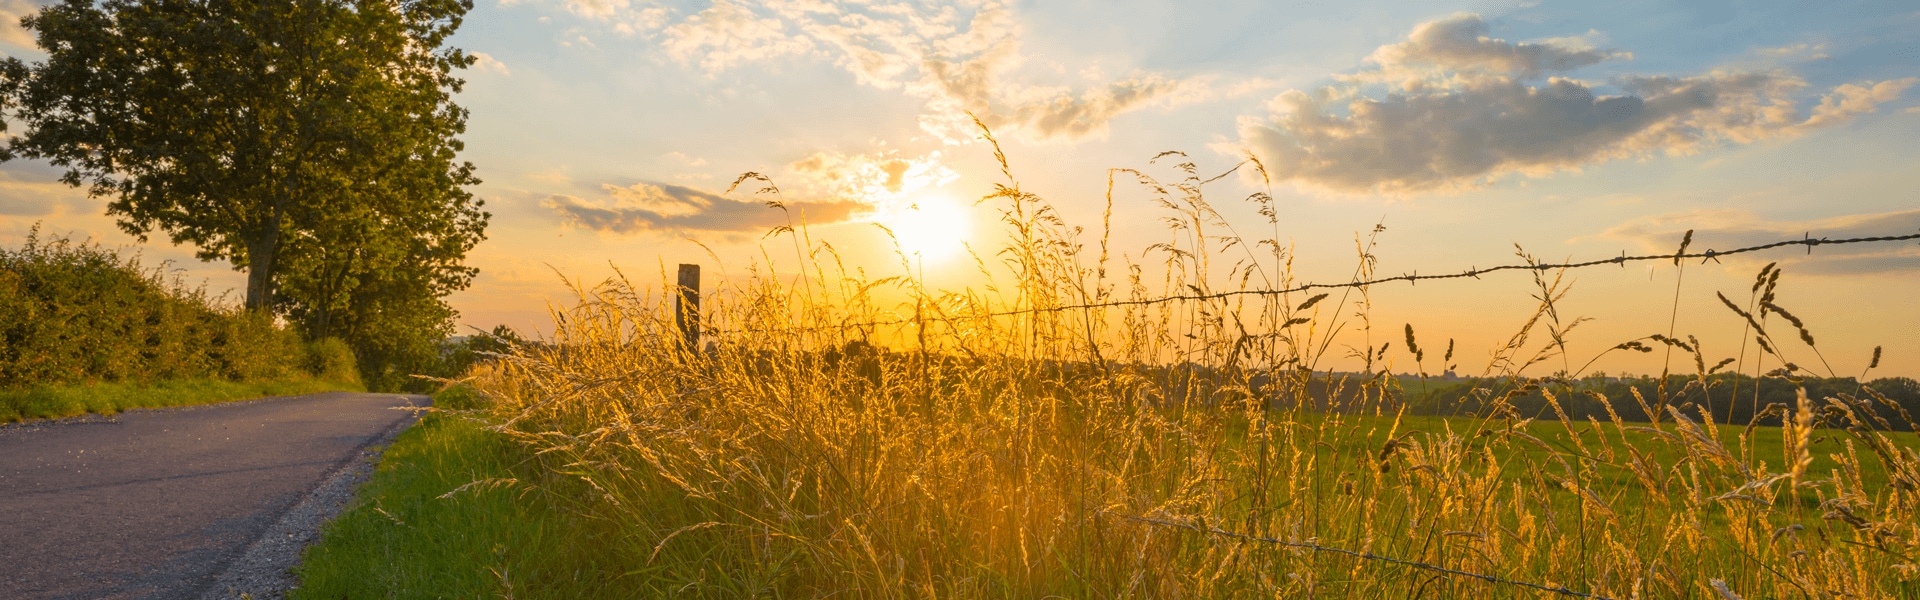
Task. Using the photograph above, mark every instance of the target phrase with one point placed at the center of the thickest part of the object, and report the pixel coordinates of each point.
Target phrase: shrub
(74, 312)
(330, 359)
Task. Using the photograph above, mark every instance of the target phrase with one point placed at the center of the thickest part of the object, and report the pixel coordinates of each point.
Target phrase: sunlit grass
(997, 442)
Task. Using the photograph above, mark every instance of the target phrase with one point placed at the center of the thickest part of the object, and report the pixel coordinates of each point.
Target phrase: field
(1079, 431)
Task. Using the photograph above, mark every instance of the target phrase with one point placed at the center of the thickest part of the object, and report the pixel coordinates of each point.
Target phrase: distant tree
(257, 129)
(480, 348)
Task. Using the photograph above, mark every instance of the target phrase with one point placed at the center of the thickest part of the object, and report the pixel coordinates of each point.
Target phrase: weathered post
(687, 307)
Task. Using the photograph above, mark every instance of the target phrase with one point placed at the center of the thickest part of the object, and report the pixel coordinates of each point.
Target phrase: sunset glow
(932, 228)
(608, 134)
(973, 299)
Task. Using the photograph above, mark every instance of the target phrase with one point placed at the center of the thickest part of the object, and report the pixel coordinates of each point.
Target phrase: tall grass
(999, 442)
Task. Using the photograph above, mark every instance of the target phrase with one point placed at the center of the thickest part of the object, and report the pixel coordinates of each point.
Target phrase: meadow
(1080, 429)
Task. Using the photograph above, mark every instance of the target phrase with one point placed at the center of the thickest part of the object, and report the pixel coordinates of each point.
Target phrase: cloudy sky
(608, 132)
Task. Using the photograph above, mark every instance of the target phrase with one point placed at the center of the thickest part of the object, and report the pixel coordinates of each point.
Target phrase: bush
(73, 312)
(459, 397)
(331, 360)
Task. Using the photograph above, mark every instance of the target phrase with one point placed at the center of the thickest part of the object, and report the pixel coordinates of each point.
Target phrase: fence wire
(1709, 255)
(1316, 547)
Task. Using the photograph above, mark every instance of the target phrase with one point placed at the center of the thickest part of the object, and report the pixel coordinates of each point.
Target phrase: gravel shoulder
(194, 502)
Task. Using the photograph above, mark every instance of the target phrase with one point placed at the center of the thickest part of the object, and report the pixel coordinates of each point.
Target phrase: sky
(607, 133)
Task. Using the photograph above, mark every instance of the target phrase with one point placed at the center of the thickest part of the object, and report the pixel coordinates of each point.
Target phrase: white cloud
(486, 63)
(959, 57)
(627, 17)
(1250, 86)
(728, 34)
(682, 159)
(653, 207)
(1851, 100)
(1814, 51)
(598, 9)
(1460, 43)
(881, 178)
(556, 176)
(1463, 110)
(966, 63)
(1725, 229)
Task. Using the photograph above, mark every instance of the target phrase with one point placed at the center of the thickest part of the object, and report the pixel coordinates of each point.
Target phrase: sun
(931, 228)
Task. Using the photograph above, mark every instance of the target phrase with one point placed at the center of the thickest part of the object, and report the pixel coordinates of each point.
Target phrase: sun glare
(931, 228)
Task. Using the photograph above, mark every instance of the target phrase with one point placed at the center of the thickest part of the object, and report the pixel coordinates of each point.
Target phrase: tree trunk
(262, 248)
(260, 255)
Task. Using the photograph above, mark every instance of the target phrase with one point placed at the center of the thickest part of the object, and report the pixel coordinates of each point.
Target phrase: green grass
(499, 539)
(1361, 439)
(56, 401)
(1367, 435)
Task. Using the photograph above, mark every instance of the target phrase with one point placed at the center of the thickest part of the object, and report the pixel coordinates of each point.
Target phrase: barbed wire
(1709, 255)
(1317, 547)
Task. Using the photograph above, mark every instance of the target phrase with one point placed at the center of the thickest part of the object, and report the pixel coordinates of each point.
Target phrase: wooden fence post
(687, 307)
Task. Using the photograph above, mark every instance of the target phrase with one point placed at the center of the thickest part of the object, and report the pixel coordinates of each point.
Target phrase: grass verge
(56, 401)
(419, 530)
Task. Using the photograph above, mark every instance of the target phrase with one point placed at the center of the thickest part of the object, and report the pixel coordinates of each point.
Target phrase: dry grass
(955, 453)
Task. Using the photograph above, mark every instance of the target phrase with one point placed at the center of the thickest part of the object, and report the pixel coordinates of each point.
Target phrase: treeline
(73, 312)
(1730, 398)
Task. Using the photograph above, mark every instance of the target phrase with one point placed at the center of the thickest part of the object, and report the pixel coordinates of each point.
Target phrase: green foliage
(330, 359)
(459, 397)
(399, 344)
(75, 312)
(86, 330)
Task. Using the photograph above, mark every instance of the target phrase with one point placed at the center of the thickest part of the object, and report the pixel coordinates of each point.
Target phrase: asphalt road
(157, 503)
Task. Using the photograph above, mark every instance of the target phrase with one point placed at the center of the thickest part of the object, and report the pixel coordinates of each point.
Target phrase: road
(157, 503)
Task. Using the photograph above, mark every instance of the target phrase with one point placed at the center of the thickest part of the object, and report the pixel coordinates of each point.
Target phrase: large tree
(374, 267)
(260, 130)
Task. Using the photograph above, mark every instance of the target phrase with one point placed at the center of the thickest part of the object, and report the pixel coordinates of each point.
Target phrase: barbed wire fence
(1706, 256)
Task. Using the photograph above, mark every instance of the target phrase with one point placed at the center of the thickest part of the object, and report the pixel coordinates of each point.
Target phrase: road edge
(265, 569)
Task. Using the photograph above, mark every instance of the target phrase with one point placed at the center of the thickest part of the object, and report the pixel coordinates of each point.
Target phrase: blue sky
(607, 130)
